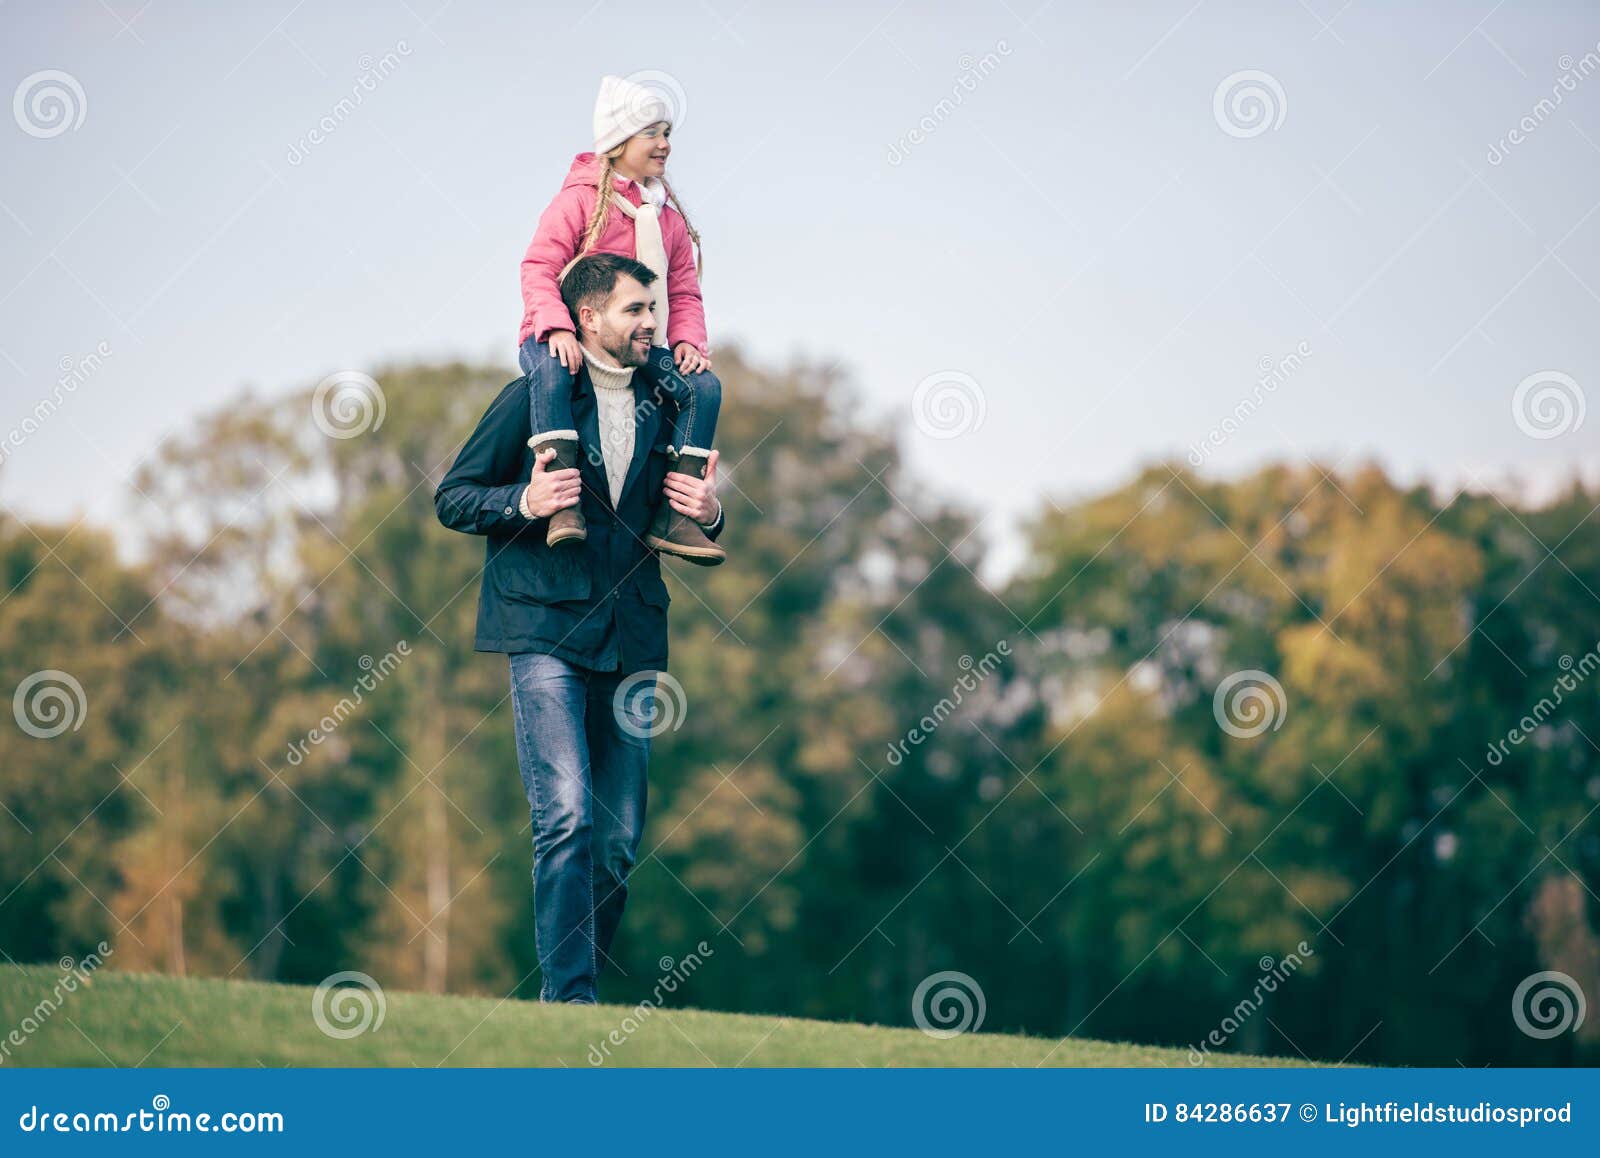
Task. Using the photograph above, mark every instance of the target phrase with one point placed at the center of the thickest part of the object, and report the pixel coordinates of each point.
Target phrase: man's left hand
(695, 497)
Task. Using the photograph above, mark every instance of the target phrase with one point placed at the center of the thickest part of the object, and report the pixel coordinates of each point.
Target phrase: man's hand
(690, 360)
(550, 491)
(695, 497)
(564, 345)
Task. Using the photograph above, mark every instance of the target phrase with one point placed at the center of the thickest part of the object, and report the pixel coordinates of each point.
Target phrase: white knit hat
(623, 109)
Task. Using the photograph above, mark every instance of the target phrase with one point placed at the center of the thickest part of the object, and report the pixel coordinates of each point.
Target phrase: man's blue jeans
(583, 755)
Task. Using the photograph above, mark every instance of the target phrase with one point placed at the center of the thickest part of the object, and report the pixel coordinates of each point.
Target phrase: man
(584, 622)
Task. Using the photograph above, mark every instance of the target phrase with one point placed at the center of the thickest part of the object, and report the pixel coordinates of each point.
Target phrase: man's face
(623, 326)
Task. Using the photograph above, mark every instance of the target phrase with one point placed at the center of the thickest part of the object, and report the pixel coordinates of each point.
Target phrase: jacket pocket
(548, 575)
(652, 590)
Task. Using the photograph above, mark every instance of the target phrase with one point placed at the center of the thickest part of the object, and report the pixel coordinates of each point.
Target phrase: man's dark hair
(596, 276)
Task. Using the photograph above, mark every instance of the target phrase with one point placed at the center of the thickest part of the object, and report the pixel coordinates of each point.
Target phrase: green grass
(128, 1019)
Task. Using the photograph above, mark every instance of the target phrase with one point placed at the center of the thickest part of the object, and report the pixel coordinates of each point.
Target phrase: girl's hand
(690, 360)
(564, 346)
(695, 497)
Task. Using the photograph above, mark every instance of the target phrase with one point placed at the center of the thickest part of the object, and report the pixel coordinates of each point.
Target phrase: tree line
(1303, 762)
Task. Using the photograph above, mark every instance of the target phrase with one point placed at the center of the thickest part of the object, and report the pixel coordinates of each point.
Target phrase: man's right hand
(564, 345)
(550, 491)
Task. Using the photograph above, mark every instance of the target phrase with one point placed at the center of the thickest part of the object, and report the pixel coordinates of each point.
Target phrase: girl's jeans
(699, 396)
(582, 750)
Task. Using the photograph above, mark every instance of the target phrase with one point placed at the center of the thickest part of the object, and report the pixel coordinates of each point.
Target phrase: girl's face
(644, 155)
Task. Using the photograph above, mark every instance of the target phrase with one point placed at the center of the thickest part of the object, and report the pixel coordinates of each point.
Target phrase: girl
(640, 218)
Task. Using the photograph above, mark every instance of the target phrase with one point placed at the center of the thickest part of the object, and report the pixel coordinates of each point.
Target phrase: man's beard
(620, 346)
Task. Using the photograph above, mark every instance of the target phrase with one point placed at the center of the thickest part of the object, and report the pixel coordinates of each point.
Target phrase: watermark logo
(48, 703)
(1548, 1004)
(1535, 718)
(155, 1120)
(1274, 373)
(673, 974)
(1548, 404)
(976, 671)
(73, 974)
(948, 1004)
(348, 404)
(74, 373)
(348, 1004)
(49, 103)
(948, 404)
(1273, 974)
(663, 98)
(1249, 103)
(643, 709)
(1572, 72)
(971, 73)
(377, 671)
(1249, 702)
(373, 72)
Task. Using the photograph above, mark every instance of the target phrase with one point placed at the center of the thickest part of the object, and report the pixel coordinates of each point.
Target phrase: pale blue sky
(1080, 236)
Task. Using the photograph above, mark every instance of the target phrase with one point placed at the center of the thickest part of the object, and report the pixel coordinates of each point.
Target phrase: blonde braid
(699, 253)
(602, 203)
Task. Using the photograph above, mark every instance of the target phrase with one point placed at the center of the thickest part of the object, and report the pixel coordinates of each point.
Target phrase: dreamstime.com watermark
(673, 974)
(1572, 73)
(156, 1120)
(947, 705)
(1273, 974)
(1548, 1004)
(373, 73)
(347, 404)
(1249, 103)
(1273, 375)
(655, 697)
(971, 73)
(1547, 705)
(48, 703)
(73, 974)
(49, 103)
(642, 411)
(348, 1004)
(377, 671)
(948, 1004)
(948, 404)
(663, 98)
(74, 373)
(1249, 702)
(1548, 404)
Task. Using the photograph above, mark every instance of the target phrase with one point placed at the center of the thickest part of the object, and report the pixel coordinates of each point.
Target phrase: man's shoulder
(509, 406)
(500, 433)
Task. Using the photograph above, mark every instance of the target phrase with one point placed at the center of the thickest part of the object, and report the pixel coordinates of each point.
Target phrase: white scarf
(648, 246)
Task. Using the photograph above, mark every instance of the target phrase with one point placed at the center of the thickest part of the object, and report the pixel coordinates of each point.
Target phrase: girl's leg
(549, 391)
(550, 423)
(699, 399)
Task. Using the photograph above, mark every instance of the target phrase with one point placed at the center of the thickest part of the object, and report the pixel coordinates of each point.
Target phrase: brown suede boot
(566, 523)
(677, 534)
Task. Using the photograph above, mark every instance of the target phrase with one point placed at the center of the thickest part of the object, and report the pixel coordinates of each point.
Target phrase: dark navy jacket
(601, 603)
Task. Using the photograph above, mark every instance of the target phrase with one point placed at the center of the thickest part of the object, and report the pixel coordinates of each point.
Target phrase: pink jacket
(556, 242)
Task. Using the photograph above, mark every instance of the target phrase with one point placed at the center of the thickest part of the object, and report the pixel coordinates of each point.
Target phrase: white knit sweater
(613, 395)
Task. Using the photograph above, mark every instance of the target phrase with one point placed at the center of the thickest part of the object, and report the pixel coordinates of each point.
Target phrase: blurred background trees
(885, 767)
